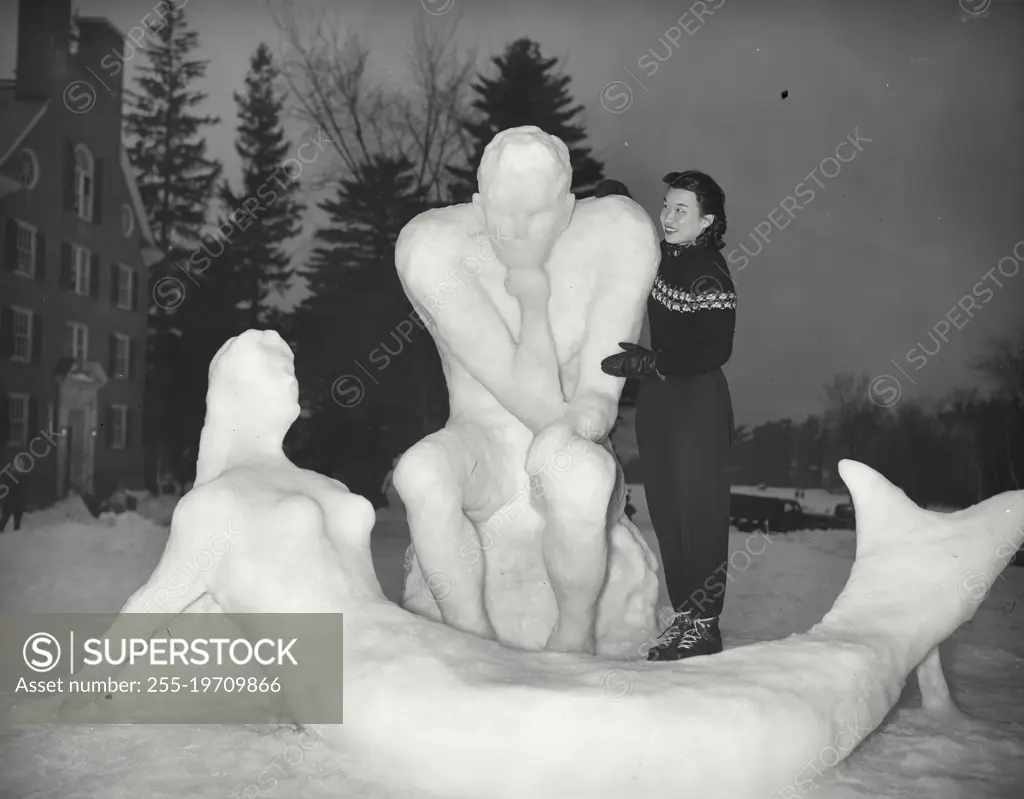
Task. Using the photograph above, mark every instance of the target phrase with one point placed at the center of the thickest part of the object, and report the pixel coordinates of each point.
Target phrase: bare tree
(328, 73)
(851, 419)
(959, 417)
(1003, 363)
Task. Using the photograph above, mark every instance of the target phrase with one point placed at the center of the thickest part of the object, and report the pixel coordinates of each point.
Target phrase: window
(127, 219)
(78, 341)
(25, 248)
(125, 286)
(81, 274)
(119, 427)
(84, 187)
(122, 355)
(29, 169)
(17, 415)
(22, 329)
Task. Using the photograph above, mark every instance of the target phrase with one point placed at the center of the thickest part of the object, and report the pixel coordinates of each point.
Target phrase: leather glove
(634, 361)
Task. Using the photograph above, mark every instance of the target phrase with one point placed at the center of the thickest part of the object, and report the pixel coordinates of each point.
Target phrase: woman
(684, 418)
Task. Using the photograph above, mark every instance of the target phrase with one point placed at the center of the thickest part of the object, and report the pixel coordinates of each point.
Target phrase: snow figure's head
(524, 200)
(251, 402)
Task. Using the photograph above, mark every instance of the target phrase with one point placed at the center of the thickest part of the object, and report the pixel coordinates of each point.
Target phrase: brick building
(75, 247)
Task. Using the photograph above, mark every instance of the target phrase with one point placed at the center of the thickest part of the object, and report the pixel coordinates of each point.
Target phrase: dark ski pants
(684, 431)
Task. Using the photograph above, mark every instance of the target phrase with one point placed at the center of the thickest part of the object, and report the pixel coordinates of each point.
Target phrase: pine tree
(527, 91)
(366, 216)
(175, 177)
(255, 265)
(176, 180)
(355, 306)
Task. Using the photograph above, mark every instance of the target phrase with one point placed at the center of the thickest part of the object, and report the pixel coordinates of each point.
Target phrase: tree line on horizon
(954, 450)
(393, 155)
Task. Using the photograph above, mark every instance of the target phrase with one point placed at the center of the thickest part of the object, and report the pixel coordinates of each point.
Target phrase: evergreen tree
(174, 175)
(176, 180)
(255, 264)
(527, 91)
(353, 321)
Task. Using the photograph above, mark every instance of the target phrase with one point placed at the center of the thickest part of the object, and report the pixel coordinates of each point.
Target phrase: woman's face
(681, 219)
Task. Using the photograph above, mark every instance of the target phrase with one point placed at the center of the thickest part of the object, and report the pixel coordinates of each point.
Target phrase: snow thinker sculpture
(517, 507)
(431, 708)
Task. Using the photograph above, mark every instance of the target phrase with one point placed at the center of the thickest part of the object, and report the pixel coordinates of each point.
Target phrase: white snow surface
(64, 560)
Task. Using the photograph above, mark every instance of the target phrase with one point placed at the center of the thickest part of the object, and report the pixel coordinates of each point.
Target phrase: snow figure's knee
(575, 472)
(359, 517)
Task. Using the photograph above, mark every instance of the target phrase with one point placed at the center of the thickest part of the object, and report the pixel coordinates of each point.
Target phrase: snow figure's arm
(465, 320)
(536, 359)
(616, 313)
(174, 586)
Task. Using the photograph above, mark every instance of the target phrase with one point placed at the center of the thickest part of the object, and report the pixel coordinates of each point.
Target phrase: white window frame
(119, 435)
(82, 266)
(124, 294)
(25, 227)
(12, 399)
(29, 315)
(127, 220)
(85, 182)
(121, 338)
(75, 328)
(30, 156)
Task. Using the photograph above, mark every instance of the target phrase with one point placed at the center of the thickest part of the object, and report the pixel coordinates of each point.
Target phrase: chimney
(101, 54)
(44, 33)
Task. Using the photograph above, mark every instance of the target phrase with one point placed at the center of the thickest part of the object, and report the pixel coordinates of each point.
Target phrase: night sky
(851, 279)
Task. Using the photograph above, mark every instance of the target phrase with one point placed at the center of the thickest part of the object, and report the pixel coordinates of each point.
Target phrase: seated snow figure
(516, 507)
(434, 710)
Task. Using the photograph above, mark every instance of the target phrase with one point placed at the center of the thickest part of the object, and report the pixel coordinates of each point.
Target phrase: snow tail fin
(918, 574)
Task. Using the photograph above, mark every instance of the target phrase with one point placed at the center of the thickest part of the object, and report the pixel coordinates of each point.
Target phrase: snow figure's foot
(572, 637)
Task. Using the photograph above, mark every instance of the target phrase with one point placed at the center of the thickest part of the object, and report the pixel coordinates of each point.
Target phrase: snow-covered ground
(64, 560)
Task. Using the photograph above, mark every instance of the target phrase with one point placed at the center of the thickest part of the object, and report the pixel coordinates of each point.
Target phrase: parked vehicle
(844, 511)
(770, 514)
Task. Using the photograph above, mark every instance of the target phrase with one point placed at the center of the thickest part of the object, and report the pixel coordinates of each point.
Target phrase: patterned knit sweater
(692, 310)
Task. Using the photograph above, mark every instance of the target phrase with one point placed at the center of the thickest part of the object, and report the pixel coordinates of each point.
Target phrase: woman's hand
(634, 361)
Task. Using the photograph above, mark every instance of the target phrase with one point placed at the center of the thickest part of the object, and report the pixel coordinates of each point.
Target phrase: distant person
(684, 416)
(13, 503)
(608, 187)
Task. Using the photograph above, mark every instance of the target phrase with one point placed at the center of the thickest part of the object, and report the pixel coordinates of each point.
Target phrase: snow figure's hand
(528, 284)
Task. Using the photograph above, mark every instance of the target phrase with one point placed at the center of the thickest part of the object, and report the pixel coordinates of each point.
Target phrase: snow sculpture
(516, 507)
(433, 709)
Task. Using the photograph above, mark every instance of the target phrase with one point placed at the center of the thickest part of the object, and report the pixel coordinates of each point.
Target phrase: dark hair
(710, 198)
(608, 187)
